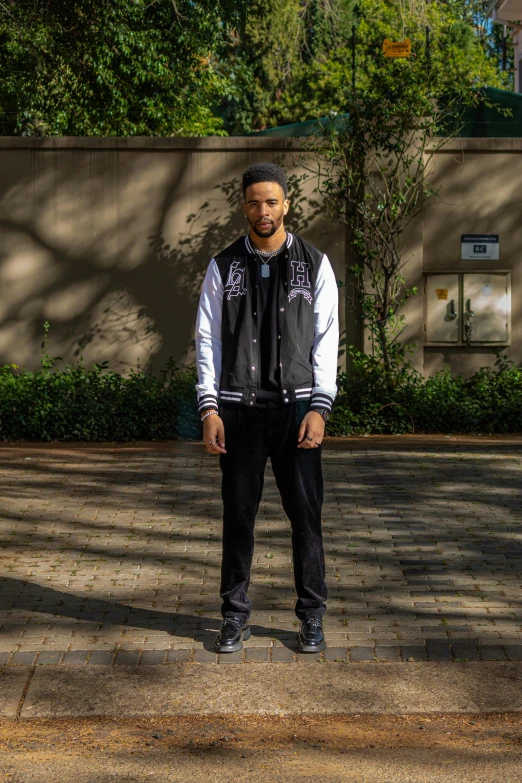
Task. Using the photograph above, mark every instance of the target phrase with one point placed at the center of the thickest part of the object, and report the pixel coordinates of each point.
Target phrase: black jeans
(251, 436)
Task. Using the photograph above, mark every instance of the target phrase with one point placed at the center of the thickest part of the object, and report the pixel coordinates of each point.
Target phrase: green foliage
(117, 68)
(96, 404)
(292, 60)
(488, 402)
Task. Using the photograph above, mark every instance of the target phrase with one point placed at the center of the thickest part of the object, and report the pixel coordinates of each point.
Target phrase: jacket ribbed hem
(321, 400)
(207, 401)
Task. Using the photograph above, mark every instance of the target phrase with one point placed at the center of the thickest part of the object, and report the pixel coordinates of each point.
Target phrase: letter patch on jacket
(235, 285)
(300, 281)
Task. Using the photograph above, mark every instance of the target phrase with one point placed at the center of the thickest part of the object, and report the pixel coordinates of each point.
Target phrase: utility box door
(489, 298)
(442, 309)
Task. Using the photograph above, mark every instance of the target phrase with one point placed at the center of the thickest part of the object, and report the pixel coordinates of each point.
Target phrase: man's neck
(267, 244)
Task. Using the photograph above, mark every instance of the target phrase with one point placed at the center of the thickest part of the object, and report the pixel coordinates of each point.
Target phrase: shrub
(368, 401)
(97, 404)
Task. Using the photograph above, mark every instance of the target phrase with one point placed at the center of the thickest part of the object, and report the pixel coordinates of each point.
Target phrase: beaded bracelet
(209, 413)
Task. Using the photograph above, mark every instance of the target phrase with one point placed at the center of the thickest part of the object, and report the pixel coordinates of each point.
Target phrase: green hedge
(368, 402)
(80, 404)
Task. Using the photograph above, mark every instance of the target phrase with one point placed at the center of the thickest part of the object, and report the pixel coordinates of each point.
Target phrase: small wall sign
(482, 247)
(396, 48)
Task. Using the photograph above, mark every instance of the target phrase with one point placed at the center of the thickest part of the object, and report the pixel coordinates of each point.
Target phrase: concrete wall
(108, 240)
(479, 184)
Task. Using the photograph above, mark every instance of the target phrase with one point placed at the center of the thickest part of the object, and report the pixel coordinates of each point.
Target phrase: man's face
(265, 207)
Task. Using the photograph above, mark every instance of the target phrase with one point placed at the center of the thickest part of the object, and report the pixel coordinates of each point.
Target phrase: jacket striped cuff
(207, 401)
(321, 400)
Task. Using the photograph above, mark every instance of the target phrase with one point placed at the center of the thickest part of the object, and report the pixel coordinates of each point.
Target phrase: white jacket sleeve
(208, 338)
(326, 339)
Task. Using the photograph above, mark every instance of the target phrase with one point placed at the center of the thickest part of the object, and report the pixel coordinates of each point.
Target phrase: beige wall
(479, 184)
(109, 239)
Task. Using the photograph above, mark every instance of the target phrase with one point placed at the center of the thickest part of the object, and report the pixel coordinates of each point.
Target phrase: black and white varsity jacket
(227, 331)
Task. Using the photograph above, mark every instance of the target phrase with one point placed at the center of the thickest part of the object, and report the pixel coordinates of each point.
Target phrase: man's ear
(286, 206)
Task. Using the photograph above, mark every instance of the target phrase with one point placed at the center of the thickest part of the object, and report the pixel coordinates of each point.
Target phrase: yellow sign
(442, 293)
(396, 48)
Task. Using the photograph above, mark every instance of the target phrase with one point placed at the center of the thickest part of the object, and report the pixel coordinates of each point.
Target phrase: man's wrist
(204, 412)
(323, 412)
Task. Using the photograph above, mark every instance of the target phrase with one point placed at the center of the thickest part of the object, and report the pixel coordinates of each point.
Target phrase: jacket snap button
(278, 336)
(280, 364)
(284, 391)
(254, 341)
(253, 394)
(251, 403)
(253, 368)
(281, 308)
(286, 399)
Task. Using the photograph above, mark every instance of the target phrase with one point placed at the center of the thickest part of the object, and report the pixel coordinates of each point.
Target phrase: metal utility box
(468, 308)
(442, 308)
(487, 296)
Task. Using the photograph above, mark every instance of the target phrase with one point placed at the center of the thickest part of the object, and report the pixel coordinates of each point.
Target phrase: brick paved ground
(114, 558)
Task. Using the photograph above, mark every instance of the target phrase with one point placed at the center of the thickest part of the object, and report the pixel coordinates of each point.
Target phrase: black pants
(251, 436)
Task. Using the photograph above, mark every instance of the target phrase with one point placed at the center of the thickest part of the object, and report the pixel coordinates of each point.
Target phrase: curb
(260, 689)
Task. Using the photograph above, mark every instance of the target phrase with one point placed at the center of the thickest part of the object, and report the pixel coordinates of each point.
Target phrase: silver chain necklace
(267, 254)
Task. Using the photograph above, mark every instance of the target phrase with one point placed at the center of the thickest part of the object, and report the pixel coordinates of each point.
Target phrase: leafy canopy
(118, 67)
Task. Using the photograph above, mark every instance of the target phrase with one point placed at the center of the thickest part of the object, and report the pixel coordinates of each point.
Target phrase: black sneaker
(311, 637)
(232, 634)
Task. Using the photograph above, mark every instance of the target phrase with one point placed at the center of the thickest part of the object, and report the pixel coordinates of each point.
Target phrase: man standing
(266, 343)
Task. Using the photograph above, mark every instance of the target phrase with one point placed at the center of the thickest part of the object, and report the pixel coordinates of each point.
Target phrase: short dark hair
(265, 172)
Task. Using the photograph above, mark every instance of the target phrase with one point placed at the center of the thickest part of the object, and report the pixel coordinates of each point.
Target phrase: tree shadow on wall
(122, 309)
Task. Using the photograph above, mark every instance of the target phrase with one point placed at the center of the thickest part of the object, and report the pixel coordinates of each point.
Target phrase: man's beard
(267, 232)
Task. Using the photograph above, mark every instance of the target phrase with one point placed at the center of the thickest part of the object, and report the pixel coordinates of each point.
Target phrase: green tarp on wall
(482, 121)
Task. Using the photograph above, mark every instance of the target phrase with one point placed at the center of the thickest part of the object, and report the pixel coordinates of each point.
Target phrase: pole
(353, 58)
(428, 47)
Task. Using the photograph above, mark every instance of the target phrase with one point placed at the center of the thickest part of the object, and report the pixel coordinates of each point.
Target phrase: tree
(292, 60)
(273, 53)
(120, 67)
(373, 166)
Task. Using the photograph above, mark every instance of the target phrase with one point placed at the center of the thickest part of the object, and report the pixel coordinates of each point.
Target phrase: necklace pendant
(265, 270)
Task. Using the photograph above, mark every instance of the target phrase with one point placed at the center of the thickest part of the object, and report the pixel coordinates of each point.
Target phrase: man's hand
(214, 435)
(311, 431)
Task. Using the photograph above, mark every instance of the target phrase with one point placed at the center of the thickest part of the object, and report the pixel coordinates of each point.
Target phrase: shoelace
(314, 620)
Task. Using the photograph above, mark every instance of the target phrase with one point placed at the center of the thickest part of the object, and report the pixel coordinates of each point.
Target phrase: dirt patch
(199, 735)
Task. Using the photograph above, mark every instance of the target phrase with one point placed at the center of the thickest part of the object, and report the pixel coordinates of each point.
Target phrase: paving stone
(4, 657)
(153, 657)
(83, 594)
(513, 652)
(49, 657)
(361, 654)
(101, 657)
(256, 654)
(467, 651)
(127, 657)
(75, 657)
(336, 653)
(25, 658)
(205, 656)
(282, 655)
(438, 652)
(180, 656)
(234, 657)
(491, 652)
(416, 653)
(387, 653)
